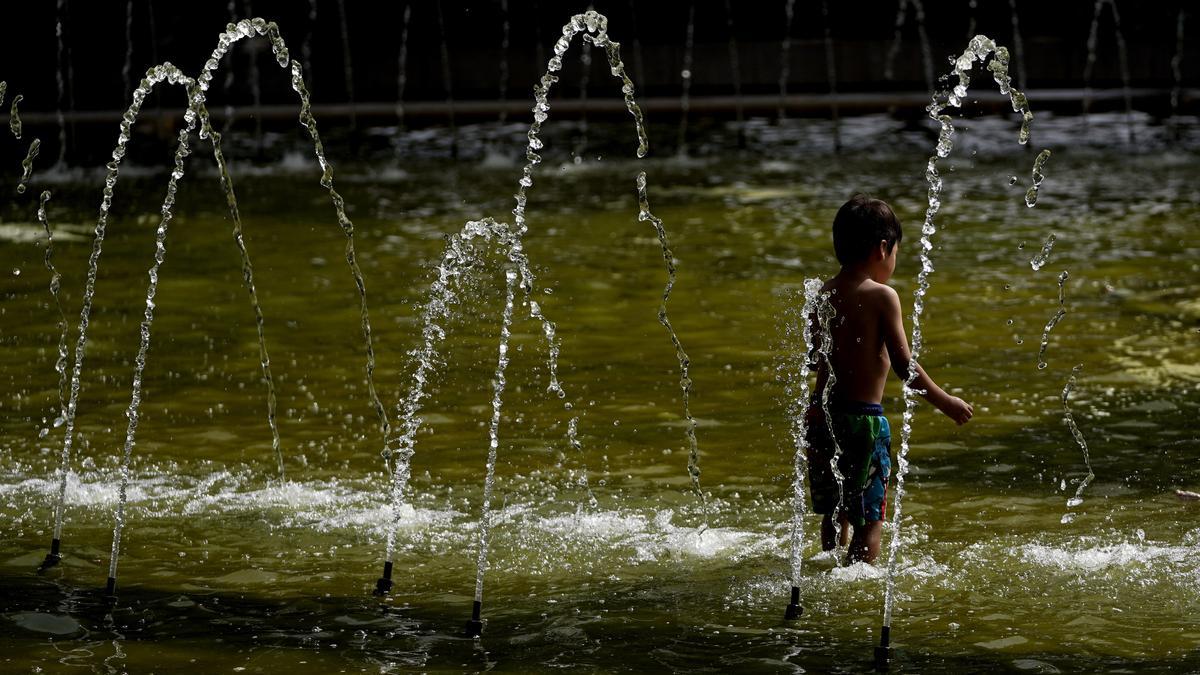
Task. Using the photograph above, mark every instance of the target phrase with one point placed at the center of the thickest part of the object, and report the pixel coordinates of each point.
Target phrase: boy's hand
(956, 409)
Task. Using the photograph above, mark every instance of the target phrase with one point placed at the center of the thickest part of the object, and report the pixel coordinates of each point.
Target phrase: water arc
(197, 113)
(980, 49)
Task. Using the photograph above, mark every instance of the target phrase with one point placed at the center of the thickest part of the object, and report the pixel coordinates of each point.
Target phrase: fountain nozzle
(883, 653)
(52, 558)
(794, 610)
(383, 585)
(474, 627)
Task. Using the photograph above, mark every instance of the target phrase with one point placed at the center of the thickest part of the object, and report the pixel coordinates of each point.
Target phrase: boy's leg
(865, 545)
(829, 535)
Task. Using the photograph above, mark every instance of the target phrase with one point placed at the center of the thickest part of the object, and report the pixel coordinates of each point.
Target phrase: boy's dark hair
(860, 225)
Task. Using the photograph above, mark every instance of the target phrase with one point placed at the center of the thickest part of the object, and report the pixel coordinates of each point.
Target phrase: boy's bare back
(859, 351)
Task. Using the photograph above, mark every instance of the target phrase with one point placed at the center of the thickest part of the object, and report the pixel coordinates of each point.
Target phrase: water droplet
(685, 74)
(16, 272)
(1021, 246)
(1009, 322)
(1012, 180)
(1020, 341)
(1008, 287)
(858, 340)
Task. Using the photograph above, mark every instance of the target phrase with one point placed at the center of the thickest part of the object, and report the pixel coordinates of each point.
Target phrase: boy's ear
(881, 249)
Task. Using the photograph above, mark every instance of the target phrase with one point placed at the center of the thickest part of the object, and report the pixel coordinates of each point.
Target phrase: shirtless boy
(867, 338)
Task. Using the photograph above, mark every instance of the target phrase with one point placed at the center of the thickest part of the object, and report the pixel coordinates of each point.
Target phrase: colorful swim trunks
(865, 439)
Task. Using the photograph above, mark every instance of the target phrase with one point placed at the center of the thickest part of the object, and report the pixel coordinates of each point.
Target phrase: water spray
(60, 366)
(798, 394)
(979, 50)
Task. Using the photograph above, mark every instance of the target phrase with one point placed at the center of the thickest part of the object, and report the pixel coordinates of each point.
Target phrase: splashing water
(585, 79)
(461, 255)
(309, 123)
(14, 118)
(825, 316)
(3, 90)
(1038, 174)
(27, 164)
(685, 379)
(593, 27)
(1058, 316)
(1087, 460)
(785, 63)
(60, 366)
(1040, 259)
(227, 85)
(153, 77)
(797, 369)
(197, 111)
(979, 50)
(173, 74)
(498, 383)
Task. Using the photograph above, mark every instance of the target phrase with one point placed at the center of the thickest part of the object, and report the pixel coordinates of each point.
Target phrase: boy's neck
(855, 273)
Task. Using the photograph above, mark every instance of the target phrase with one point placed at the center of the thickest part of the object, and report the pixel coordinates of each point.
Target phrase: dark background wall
(1054, 36)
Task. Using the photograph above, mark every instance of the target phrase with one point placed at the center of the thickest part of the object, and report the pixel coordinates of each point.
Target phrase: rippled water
(225, 569)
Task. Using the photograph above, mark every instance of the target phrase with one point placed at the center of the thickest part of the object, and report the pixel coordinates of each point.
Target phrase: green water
(225, 570)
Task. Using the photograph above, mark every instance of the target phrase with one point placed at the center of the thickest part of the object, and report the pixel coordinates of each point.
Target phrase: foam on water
(1105, 556)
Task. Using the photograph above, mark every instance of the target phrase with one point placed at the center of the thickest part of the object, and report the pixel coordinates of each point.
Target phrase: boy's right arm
(896, 342)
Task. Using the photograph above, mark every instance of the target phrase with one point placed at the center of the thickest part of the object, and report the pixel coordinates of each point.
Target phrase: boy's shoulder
(867, 289)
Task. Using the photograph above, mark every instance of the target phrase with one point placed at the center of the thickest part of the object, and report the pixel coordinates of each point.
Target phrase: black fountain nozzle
(474, 627)
(383, 585)
(52, 558)
(794, 610)
(110, 591)
(883, 653)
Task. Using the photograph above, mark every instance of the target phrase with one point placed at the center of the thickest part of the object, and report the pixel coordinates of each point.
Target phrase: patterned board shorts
(865, 439)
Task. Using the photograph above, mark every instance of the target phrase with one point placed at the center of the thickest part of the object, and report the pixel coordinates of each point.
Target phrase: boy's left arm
(896, 342)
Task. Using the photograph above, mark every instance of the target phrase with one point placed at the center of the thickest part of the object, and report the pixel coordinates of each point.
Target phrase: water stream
(348, 63)
(1123, 61)
(60, 365)
(831, 76)
(785, 62)
(797, 365)
(980, 49)
(402, 65)
(14, 117)
(735, 70)
(685, 81)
